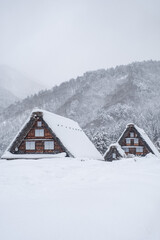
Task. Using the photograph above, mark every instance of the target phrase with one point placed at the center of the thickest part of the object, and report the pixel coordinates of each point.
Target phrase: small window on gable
(30, 145)
(39, 132)
(126, 150)
(136, 141)
(131, 134)
(114, 155)
(139, 149)
(49, 145)
(39, 124)
(128, 140)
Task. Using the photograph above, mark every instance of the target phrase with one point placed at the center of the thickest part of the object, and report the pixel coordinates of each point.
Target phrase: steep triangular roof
(69, 133)
(118, 147)
(143, 136)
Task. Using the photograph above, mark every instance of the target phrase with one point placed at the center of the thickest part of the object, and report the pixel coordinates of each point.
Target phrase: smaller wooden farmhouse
(47, 135)
(133, 141)
(114, 152)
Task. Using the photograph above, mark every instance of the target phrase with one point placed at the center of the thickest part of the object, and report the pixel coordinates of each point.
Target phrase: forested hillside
(102, 101)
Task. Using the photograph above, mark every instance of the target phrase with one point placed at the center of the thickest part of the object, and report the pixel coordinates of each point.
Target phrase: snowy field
(69, 199)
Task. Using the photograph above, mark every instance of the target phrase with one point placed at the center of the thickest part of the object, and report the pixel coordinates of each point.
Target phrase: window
(136, 141)
(139, 149)
(126, 150)
(30, 145)
(114, 155)
(128, 141)
(39, 124)
(49, 145)
(131, 134)
(39, 132)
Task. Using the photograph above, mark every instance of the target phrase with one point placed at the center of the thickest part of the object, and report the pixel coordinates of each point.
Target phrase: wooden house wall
(39, 141)
(141, 142)
(109, 157)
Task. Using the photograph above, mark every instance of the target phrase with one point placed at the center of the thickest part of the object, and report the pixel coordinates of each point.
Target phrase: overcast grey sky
(53, 41)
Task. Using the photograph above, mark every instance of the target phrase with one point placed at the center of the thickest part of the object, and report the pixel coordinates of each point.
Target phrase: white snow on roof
(147, 140)
(70, 134)
(9, 155)
(118, 147)
(124, 131)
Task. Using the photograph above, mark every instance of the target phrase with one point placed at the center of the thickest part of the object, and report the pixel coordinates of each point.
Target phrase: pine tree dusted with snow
(101, 141)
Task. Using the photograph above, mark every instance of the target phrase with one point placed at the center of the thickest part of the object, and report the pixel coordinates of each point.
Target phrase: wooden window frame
(126, 150)
(139, 149)
(136, 141)
(131, 134)
(27, 143)
(39, 123)
(128, 141)
(38, 131)
(48, 148)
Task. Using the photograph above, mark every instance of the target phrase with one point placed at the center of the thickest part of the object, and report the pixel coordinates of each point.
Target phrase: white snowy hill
(17, 83)
(70, 199)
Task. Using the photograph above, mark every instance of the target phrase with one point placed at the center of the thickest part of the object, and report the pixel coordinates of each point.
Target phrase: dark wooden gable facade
(132, 142)
(112, 154)
(37, 138)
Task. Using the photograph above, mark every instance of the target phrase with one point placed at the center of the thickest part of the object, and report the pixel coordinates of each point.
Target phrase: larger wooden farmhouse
(49, 135)
(132, 141)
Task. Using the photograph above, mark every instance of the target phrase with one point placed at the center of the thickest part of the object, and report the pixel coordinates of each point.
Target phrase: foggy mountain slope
(47, 99)
(137, 100)
(17, 83)
(102, 102)
(6, 98)
(85, 103)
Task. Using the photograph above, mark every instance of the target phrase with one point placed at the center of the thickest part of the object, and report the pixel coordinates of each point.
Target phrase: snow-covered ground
(69, 199)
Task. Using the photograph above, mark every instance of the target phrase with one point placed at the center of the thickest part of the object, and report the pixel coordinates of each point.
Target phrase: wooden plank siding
(39, 141)
(132, 146)
(132, 142)
(109, 155)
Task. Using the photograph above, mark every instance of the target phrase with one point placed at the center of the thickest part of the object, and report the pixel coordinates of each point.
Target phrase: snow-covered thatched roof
(118, 147)
(144, 136)
(147, 140)
(69, 133)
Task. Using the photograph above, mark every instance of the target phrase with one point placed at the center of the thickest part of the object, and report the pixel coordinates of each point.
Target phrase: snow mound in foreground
(72, 199)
